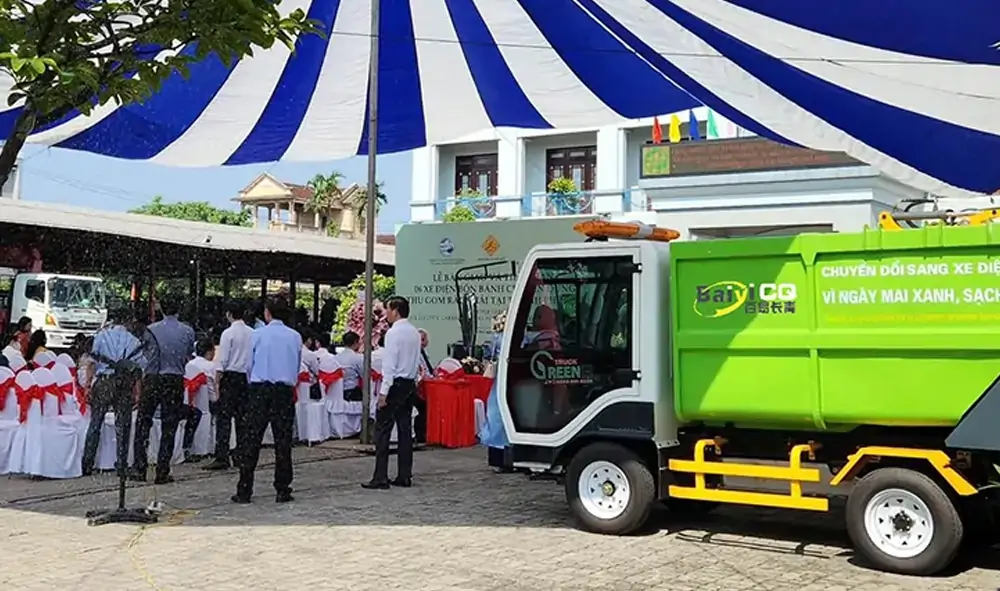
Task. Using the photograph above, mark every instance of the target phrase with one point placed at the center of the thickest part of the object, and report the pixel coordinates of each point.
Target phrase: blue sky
(84, 180)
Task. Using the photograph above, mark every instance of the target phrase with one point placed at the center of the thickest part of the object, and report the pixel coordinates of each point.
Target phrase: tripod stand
(123, 432)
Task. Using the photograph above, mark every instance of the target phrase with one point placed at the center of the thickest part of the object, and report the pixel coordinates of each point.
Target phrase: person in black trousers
(234, 362)
(163, 387)
(396, 395)
(274, 372)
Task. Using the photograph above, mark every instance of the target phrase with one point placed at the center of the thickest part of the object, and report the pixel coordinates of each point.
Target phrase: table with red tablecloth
(451, 408)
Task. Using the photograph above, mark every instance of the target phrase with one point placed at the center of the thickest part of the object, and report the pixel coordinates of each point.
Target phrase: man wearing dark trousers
(234, 361)
(276, 355)
(118, 363)
(395, 398)
(163, 387)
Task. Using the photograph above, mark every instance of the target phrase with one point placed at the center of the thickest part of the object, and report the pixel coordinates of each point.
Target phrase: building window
(579, 164)
(476, 173)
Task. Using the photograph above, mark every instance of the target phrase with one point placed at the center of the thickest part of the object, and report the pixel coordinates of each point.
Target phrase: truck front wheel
(609, 489)
(901, 521)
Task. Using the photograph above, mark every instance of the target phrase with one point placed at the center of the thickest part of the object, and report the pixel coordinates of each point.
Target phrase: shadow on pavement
(452, 488)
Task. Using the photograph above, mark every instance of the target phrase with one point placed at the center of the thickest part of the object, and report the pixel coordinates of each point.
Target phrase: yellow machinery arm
(890, 221)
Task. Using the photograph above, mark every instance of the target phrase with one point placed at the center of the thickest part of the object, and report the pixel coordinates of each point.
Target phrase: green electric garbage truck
(669, 369)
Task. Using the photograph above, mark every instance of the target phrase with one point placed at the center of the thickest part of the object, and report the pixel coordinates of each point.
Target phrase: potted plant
(565, 197)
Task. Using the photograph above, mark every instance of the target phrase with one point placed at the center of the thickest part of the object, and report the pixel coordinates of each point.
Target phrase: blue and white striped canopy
(910, 86)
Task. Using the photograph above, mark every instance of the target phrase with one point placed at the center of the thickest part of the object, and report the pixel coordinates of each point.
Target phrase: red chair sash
(72, 372)
(192, 385)
(82, 398)
(50, 365)
(450, 375)
(377, 375)
(304, 377)
(68, 389)
(5, 387)
(328, 377)
(24, 398)
(58, 393)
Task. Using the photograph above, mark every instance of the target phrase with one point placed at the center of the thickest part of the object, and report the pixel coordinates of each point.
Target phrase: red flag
(657, 132)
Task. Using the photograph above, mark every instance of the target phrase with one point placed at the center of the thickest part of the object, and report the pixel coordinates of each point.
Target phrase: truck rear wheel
(609, 489)
(902, 521)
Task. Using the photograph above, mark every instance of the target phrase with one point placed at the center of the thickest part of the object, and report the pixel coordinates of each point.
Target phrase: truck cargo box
(830, 331)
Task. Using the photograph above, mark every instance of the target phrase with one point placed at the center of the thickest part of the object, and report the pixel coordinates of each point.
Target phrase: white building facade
(505, 172)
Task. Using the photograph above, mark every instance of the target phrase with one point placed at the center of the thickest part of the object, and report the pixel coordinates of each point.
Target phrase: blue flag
(693, 132)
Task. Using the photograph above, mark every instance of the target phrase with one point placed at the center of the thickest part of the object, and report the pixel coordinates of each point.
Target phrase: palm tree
(325, 191)
(359, 203)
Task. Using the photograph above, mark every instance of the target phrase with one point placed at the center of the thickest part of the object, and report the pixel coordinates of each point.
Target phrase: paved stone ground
(461, 527)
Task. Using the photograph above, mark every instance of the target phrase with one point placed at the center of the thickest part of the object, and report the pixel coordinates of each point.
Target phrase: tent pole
(370, 222)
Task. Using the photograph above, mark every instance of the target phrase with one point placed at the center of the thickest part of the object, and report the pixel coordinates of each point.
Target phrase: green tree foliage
(196, 211)
(66, 55)
(326, 191)
(459, 213)
(359, 203)
(384, 288)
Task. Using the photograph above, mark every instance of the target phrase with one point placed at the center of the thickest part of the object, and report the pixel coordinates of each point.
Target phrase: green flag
(713, 132)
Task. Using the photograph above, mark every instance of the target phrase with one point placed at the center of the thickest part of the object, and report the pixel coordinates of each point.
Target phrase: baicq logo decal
(722, 298)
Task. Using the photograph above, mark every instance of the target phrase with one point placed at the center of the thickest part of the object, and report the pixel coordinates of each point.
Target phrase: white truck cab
(61, 305)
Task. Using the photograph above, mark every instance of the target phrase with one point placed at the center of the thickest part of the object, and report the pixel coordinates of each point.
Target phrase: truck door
(572, 340)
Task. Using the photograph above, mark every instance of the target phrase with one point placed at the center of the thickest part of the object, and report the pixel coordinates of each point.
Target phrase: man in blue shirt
(119, 362)
(163, 387)
(276, 356)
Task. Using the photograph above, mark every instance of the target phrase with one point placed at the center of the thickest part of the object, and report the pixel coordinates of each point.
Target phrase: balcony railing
(547, 204)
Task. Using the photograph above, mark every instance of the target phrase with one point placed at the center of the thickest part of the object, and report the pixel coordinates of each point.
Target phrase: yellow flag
(674, 133)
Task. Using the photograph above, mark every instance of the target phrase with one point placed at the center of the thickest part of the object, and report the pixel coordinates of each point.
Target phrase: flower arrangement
(500, 322)
(472, 366)
(356, 320)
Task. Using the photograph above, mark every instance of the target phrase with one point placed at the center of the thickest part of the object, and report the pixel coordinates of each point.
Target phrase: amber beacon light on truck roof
(602, 230)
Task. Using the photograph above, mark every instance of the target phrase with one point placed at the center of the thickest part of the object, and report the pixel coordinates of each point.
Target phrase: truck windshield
(76, 293)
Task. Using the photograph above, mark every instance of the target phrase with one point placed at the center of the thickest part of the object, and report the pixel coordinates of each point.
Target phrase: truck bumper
(61, 338)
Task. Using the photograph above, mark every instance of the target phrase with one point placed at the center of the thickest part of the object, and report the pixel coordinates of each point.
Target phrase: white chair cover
(26, 449)
(449, 365)
(311, 419)
(16, 362)
(345, 417)
(8, 417)
(74, 404)
(61, 430)
(65, 359)
(198, 382)
(44, 359)
(376, 383)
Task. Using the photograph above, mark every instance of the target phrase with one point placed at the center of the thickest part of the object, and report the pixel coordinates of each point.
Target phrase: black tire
(946, 534)
(639, 479)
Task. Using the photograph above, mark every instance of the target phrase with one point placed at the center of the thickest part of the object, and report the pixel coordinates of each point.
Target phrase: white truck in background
(61, 305)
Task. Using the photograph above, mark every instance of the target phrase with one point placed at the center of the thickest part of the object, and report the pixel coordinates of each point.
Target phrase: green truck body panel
(829, 331)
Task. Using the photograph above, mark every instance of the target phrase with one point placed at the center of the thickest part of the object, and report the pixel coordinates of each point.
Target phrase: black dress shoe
(215, 466)
(164, 480)
(402, 482)
(285, 497)
(240, 500)
(375, 485)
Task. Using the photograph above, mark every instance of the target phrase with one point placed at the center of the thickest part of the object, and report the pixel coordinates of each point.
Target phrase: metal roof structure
(84, 240)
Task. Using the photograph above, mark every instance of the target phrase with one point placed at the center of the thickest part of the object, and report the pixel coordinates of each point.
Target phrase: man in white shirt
(353, 364)
(395, 398)
(235, 350)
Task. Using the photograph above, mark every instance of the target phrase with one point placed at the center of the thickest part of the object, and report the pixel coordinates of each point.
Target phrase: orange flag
(657, 131)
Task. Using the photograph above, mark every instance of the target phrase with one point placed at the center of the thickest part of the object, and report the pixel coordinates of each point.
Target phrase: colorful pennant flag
(693, 132)
(712, 131)
(674, 133)
(657, 131)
